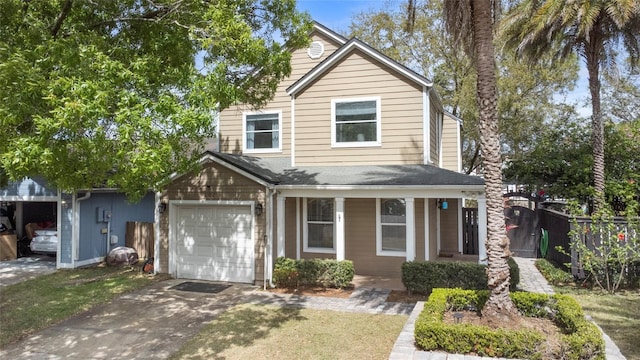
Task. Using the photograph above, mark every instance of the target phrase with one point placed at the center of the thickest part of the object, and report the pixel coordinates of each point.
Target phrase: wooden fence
(139, 236)
(560, 225)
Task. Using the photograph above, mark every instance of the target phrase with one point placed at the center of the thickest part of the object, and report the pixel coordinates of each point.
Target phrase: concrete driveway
(148, 324)
(20, 269)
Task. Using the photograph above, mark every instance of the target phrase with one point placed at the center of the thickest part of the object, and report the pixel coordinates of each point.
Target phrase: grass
(290, 333)
(616, 314)
(43, 301)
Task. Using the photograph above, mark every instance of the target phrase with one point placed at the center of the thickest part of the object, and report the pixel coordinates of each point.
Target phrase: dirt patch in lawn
(315, 291)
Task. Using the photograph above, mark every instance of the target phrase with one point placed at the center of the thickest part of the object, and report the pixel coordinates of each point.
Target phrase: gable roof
(329, 33)
(348, 48)
(277, 171)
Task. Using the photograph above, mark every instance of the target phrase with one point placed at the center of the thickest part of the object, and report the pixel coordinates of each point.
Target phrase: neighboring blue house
(89, 223)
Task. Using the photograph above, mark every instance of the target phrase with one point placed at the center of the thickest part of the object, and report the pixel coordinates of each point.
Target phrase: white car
(45, 241)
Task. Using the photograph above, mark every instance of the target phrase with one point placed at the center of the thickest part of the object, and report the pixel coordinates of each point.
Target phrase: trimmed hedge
(290, 273)
(581, 339)
(553, 274)
(423, 276)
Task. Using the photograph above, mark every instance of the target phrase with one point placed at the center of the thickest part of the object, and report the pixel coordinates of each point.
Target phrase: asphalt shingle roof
(278, 171)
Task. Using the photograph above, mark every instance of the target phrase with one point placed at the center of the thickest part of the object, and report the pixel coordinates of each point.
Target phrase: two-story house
(346, 162)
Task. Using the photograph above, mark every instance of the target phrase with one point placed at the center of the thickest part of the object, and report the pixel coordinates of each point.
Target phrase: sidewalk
(531, 280)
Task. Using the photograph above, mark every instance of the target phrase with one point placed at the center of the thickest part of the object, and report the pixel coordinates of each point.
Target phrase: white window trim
(379, 251)
(244, 132)
(378, 141)
(305, 233)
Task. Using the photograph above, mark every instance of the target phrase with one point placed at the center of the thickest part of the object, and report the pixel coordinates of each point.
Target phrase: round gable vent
(316, 49)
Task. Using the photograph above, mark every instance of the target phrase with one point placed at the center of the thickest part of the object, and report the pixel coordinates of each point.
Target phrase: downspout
(268, 247)
(426, 125)
(76, 226)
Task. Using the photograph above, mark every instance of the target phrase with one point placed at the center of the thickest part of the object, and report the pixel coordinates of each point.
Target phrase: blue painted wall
(93, 243)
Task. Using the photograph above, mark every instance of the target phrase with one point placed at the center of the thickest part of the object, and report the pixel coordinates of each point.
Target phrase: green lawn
(38, 303)
(267, 332)
(617, 314)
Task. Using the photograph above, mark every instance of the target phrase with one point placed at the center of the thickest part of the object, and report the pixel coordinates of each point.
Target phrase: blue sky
(337, 14)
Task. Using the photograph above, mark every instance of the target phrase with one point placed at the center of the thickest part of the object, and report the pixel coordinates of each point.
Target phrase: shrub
(607, 247)
(423, 276)
(554, 275)
(581, 339)
(431, 333)
(285, 273)
(324, 272)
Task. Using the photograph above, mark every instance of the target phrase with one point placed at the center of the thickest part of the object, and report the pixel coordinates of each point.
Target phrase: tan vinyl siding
(230, 127)
(214, 182)
(433, 133)
(449, 230)
(291, 228)
(360, 241)
(358, 76)
(450, 144)
(433, 230)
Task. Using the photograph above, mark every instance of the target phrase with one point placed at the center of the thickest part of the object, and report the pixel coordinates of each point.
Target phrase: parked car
(45, 241)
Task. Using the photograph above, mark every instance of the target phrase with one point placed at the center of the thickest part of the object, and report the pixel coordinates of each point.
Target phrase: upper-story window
(355, 122)
(262, 132)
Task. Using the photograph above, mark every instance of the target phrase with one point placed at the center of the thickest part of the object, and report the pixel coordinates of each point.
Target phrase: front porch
(377, 230)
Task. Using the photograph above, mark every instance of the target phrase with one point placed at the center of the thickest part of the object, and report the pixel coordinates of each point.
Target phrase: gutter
(268, 246)
(76, 227)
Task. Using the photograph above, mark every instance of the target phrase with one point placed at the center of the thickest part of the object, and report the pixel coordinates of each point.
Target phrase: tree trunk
(499, 307)
(592, 54)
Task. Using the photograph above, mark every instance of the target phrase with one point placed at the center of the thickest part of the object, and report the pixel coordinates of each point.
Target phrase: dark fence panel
(470, 231)
(557, 225)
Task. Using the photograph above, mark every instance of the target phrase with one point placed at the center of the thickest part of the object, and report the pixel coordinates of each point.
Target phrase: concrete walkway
(24, 268)
(154, 322)
(531, 280)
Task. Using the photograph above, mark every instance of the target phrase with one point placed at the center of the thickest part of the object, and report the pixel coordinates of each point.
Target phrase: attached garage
(213, 240)
(212, 224)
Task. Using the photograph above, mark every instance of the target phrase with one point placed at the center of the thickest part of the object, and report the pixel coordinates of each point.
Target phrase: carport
(30, 200)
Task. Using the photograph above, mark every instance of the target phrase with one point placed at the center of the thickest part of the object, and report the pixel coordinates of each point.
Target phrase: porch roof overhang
(356, 180)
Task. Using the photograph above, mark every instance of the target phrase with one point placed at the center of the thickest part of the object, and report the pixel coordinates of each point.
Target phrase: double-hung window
(391, 234)
(355, 122)
(319, 229)
(262, 132)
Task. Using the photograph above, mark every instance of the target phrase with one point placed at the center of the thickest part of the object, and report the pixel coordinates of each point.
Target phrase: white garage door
(215, 242)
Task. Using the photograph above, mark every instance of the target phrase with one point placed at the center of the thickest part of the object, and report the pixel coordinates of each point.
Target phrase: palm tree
(471, 22)
(592, 28)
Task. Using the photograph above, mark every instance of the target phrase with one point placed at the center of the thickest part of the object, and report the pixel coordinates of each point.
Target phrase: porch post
(280, 224)
(482, 230)
(411, 229)
(427, 241)
(340, 245)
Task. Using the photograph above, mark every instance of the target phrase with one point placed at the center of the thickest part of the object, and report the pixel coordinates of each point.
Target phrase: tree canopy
(527, 98)
(561, 162)
(121, 94)
(596, 30)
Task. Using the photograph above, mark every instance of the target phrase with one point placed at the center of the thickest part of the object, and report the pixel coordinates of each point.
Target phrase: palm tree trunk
(592, 55)
(499, 306)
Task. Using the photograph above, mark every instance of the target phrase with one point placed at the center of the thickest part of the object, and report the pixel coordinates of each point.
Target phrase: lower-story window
(319, 234)
(391, 234)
